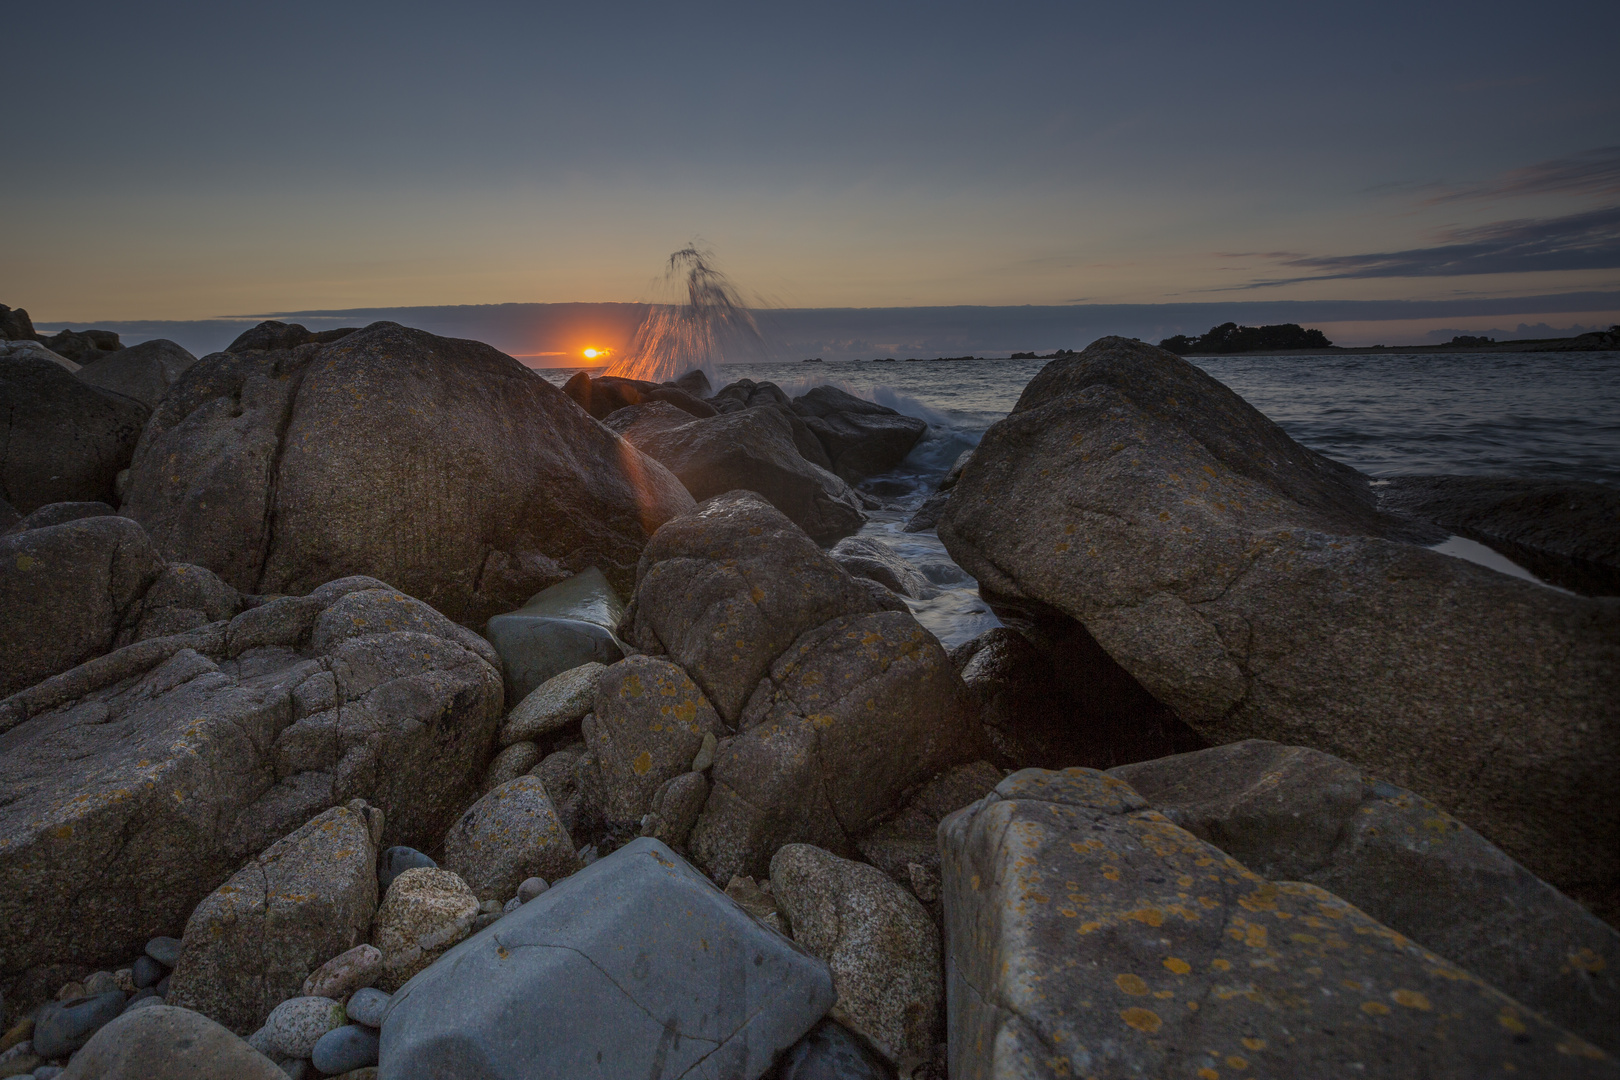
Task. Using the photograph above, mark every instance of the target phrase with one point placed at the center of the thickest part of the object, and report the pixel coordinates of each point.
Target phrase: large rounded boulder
(1254, 586)
(440, 465)
(143, 372)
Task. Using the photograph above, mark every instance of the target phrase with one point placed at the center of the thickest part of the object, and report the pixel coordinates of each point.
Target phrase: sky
(186, 162)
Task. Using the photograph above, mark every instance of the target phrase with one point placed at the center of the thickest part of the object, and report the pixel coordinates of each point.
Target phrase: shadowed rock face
(861, 438)
(143, 372)
(1253, 586)
(134, 784)
(438, 464)
(61, 440)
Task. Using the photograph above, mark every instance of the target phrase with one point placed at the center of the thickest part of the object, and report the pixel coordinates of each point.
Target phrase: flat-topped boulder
(862, 438)
(134, 784)
(143, 372)
(1255, 587)
(440, 465)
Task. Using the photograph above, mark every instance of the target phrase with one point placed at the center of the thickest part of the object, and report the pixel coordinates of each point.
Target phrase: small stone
(511, 763)
(146, 972)
(553, 706)
(750, 897)
(705, 755)
(924, 882)
(125, 980)
(297, 1024)
(167, 1043)
(21, 1031)
(295, 1068)
(162, 987)
(48, 1072)
(70, 990)
(165, 950)
(395, 861)
(20, 1060)
(345, 972)
(511, 906)
(100, 982)
(345, 1049)
(425, 912)
(142, 999)
(831, 1052)
(367, 1007)
(530, 888)
(510, 834)
(61, 1027)
(588, 854)
(490, 907)
(480, 922)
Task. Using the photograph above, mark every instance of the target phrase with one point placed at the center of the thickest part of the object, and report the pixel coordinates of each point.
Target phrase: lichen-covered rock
(553, 706)
(1254, 586)
(253, 941)
(182, 598)
(135, 784)
(511, 763)
(727, 588)
(510, 834)
(860, 710)
(65, 590)
(176, 1044)
(1088, 935)
(294, 1027)
(910, 838)
(1295, 814)
(441, 466)
(649, 722)
(881, 945)
(425, 912)
(675, 809)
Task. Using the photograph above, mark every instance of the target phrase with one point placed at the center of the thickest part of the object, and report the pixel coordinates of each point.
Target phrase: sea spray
(709, 327)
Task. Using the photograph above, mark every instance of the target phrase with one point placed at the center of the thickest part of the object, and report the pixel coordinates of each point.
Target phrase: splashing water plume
(712, 327)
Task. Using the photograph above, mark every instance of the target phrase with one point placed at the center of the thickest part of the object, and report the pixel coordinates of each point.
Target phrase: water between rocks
(1554, 415)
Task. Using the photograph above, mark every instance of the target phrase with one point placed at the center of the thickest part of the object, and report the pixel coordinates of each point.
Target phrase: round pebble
(48, 1072)
(145, 972)
(395, 861)
(102, 982)
(139, 1002)
(70, 990)
(162, 986)
(294, 1027)
(165, 950)
(531, 888)
(61, 1027)
(367, 1007)
(346, 971)
(511, 906)
(346, 1048)
(490, 907)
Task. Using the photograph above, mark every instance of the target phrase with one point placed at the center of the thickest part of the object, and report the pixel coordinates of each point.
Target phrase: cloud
(1592, 172)
(1586, 241)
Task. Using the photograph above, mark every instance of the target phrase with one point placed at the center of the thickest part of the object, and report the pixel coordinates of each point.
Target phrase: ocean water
(1518, 414)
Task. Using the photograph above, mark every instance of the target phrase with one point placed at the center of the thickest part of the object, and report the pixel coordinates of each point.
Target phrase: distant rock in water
(1255, 587)
(438, 464)
(84, 346)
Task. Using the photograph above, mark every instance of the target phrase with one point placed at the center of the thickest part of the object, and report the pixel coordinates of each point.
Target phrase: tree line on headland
(1232, 338)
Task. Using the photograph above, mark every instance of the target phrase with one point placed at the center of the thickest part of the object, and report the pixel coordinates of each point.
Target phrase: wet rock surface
(710, 993)
(293, 464)
(1088, 934)
(1254, 587)
(558, 629)
(861, 437)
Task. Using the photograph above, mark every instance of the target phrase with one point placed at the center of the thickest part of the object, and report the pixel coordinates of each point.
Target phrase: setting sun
(590, 354)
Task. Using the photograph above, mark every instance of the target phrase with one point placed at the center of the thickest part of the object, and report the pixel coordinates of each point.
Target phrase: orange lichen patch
(1220, 964)
(642, 763)
(1088, 927)
(1141, 1019)
(1206, 1073)
(1180, 967)
(1209, 901)
(1375, 1008)
(1587, 960)
(1131, 984)
(1147, 916)
(756, 594)
(1411, 999)
(1164, 994)
(1510, 1020)
(1236, 1062)
(1254, 1044)
(1111, 873)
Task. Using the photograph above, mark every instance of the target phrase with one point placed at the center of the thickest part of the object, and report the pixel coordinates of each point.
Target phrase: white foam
(1460, 547)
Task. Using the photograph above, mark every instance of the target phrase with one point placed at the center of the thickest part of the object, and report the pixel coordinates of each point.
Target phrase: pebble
(368, 1073)
(511, 906)
(367, 1007)
(21, 1031)
(146, 972)
(20, 1056)
(705, 755)
(102, 982)
(490, 907)
(125, 978)
(70, 990)
(165, 950)
(48, 1072)
(482, 921)
(395, 861)
(61, 1027)
(294, 1027)
(531, 888)
(295, 1068)
(347, 971)
(345, 1049)
(139, 1002)
(830, 1052)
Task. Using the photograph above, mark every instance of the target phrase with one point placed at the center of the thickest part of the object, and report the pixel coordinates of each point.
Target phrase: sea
(1553, 415)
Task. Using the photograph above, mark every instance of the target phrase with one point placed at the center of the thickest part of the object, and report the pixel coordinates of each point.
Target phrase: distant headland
(1290, 338)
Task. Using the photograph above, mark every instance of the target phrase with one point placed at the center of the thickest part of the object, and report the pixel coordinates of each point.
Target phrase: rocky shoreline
(373, 708)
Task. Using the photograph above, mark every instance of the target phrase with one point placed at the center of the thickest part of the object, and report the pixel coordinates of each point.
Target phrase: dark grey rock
(694, 382)
(530, 888)
(182, 598)
(395, 861)
(15, 325)
(927, 515)
(368, 1006)
(569, 985)
(143, 372)
(351, 1046)
(61, 1027)
(66, 440)
(57, 513)
(649, 722)
(281, 469)
(560, 628)
(271, 334)
(862, 438)
(1254, 586)
(8, 516)
(168, 1043)
(147, 972)
(165, 950)
(83, 346)
(873, 559)
(831, 1052)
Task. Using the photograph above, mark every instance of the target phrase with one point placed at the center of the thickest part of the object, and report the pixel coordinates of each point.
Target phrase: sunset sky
(188, 161)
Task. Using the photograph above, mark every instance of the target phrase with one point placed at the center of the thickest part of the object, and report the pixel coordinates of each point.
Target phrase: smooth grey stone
(559, 629)
(295, 1068)
(531, 888)
(511, 906)
(165, 950)
(146, 972)
(142, 999)
(346, 1048)
(61, 1027)
(831, 1052)
(368, 1006)
(395, 861)
(481, 921)
(594, 978)
(162, 985)
(48, 1072)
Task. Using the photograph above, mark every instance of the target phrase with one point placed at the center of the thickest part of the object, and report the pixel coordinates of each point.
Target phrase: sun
(592, 354)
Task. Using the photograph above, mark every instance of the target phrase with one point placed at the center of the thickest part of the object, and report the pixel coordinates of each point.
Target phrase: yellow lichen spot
(631, 687)
(1375, 1008)
(1147, 916)
(1068, 530)
(1131, 984)
(756, 594)
(1207, 1073)
(1209, 902)
(821, 720)
(26, 562)
(1237, 1062)
(1142, 1019)
(1164, 515)
(1411, 999)
(1254, 1044)
(1180, 967)
(1221, 965)
(1510, 1020)
(63, 832)
(1088, 927)
(642, 763)
(1060, 549)
(1111, 873)
(1165, 994)
(1255, 936)
(1587, 960)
